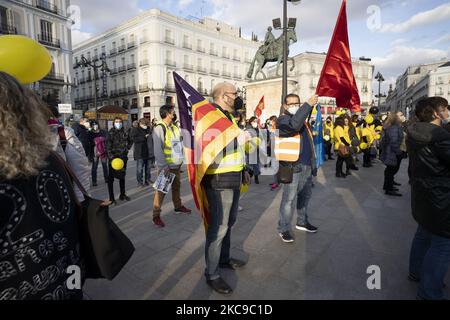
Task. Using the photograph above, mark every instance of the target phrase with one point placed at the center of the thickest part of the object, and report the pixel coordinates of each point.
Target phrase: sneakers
(274, 186)
(307, 227)
(184, 210)
(158, 222)
(124, 197)
(286, 237)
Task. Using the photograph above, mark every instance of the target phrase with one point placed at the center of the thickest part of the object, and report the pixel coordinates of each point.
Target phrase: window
(146, 101)
(132, 58)
(132, 38)
(103, 49)
(186, 60)
(199, 44)
(46, 30)
(124, 82)
(185, 40)
(122, 41)
(123, 61)
(114, 45)
(145, 77)
(133, 81)
(199, 62)
(115, 84)
(114, 64)
(95, 53)
(200, 84)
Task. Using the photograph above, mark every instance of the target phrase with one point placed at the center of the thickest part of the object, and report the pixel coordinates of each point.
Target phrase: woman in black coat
(429, 150)
(140, 137)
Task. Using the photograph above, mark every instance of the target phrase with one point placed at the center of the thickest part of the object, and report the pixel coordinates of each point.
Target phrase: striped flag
(206, 132)
(259, 110)
(318, 138)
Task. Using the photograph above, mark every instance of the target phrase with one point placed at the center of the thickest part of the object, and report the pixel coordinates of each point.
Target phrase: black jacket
(118, 144)
(290, 125)
(429, 149)
(83, 135)
(138, 136)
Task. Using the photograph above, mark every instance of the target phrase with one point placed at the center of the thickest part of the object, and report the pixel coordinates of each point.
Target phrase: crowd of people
(40, 200)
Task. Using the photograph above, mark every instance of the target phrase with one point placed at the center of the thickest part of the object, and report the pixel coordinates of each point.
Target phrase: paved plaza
(358, 227)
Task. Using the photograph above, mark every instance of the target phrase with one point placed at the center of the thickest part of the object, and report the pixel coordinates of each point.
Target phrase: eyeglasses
(233, 93)
(293, 104)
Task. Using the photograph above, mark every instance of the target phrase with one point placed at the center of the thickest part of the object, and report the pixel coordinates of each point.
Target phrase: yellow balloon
(379, 128)
(24, 58)
(369, 119)
(377, 137)
(117, 164)
(244, 188)
(363, 145)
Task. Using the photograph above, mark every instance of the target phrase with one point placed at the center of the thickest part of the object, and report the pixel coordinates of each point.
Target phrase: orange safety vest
(287, 148)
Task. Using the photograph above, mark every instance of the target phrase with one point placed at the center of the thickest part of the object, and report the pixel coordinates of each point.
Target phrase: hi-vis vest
(173, 149)
(288, 148)
(231, 159)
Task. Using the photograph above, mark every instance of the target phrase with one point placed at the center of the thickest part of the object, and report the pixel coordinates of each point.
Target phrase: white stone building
(143, 52)
(417, 82)
(46, 22)
(308, 66)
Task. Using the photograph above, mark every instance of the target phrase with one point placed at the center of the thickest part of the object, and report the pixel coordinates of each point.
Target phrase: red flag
(259, 109)
(337, 79)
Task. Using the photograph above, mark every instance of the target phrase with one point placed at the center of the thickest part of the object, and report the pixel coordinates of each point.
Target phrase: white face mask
(446, 121)
(254, 125)
(293, 110)
(95, 127)
(144, 127)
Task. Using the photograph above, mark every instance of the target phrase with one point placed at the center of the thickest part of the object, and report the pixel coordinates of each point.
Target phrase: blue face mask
(118, 126)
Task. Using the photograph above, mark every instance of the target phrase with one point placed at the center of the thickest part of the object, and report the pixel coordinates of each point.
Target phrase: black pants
(389, 174)
(366, 158)
(328, 146)
(340, 162)
(120, 175)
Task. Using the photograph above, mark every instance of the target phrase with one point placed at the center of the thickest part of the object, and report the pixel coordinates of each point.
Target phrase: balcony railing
(187, 46)
(113, 71)
(123, 92)
(144, 87)
(237, 76)
(55, 76)
(225, 55)
(144, 40)
(114, 93)
(214, 71)
(47, 6)
(200, 49)
(226, 74)
(122, 48)
(236, 58)
(132, 44)
(95, 57)
(188, 67)
(122, 69)
(170, 88)
(171, 63)
(48, 40)
(113, 52)
(7, 29)
(131, 66)
(169, 40)
(213, 52)
(201, 69)
(144, 63)
(81, 80)
(132, 90)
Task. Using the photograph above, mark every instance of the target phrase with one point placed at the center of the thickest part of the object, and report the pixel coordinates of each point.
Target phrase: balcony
(47, 6)
(189, 67)
(81, 80)
(132, 90)
(202, 90)
(144, 40)
(123, 92)
(171, 63)
(169, 40)
(122, 69)
(144, 63)
(113, 52)
(7, 29)
(237, 76)
(144, 87)
(113, 71)
(131, 45)
(225, 55)
(122, 48)
(236, 58)
(201, 70)
(213, 52)
(200, 49)
(214, 72)
(187, 46)
(95, 57)
(170, 88)
(226, 74)
(114, 93)
(131, 66)
(247, 60)
(48, 40)
(55, 77)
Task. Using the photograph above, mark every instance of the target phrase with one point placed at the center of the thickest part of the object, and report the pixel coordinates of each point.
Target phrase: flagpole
(285, 54)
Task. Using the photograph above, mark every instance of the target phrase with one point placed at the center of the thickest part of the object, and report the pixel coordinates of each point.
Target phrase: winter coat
(83, 135)
(118, 144)
(390, 145)
(139, 138)
(98, 144)
(429, 153)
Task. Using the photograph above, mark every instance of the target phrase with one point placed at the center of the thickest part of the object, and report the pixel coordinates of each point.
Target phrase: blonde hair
(391, 119)
(24, 133)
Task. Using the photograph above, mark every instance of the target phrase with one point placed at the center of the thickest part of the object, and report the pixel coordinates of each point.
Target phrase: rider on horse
(269, 39)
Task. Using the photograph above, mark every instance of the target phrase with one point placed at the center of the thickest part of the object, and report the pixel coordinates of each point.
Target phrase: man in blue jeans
(292, 124)
(428, 146)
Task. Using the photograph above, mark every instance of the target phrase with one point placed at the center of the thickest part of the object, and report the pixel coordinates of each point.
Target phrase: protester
(368, 139)
(292, 124)
(117, 146)
(37, 201)
(272, 126)
(169, 157)
(341, 139)
(328, 137)
(391, 154)
(97, 140)
(140, 137)
(81, 131)
(351, 134)
(222, 187)
(429, 151)
(254, 132)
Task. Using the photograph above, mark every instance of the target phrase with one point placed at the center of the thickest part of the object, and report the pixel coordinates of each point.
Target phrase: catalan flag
(206, 132)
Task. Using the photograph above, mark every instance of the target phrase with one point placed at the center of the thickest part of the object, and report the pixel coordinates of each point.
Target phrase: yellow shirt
(339, 133)
(368, 134)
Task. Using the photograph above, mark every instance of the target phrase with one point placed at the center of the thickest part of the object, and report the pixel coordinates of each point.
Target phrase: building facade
(143, 52)
(417, 82)
(46, 22)
(308, 67)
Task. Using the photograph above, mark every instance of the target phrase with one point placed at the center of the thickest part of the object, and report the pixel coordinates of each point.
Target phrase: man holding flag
(216, 167)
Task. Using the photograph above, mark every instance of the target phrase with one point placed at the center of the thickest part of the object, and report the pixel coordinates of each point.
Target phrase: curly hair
(24, 134)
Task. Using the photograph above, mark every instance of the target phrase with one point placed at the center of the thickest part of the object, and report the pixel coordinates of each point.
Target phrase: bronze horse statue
(272, 53)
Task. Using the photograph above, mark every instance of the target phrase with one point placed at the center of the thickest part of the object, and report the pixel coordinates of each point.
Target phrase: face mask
(95, 127)
(144, 127)
(87, 125)
(254, 125)
(446, 121)
(118, 125)
(293, 110)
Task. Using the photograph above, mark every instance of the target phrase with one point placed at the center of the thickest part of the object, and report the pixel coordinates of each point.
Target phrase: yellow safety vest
(173, 153)
(229, 161)
(287, 148)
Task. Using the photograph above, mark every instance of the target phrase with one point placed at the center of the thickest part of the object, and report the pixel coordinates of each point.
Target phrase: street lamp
(85, 63)
(286, 26)
(380, 79)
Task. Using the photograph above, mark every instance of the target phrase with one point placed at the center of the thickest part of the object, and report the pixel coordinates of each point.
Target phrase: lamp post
(380, 79)
(286, 26)
(85, 63)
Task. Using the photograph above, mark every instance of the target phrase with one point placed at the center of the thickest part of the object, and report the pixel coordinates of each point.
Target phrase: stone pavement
(358, 227)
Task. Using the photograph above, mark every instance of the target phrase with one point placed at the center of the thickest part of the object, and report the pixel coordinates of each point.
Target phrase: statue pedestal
(271, 89)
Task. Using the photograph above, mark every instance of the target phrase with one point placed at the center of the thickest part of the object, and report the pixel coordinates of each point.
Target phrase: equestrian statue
(271, 51)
